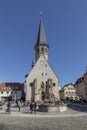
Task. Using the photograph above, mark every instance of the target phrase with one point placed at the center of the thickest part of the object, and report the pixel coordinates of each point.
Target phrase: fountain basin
(52, 108)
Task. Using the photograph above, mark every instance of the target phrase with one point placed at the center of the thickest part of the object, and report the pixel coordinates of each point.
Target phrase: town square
(43, 68)
(75, 118)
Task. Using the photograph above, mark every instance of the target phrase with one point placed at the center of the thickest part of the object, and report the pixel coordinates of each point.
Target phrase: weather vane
(40, 13)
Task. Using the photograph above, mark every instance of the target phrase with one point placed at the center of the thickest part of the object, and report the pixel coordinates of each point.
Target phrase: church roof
(41, 38)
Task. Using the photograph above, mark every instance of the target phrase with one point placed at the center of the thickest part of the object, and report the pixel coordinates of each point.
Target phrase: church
(41, 83)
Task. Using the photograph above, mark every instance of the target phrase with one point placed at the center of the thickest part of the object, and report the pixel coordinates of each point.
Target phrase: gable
(42, 69)
(69, 88)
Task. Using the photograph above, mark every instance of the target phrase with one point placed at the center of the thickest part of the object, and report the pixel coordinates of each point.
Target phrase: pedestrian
(19, 105)
(31, 107)
(34, 107)
(8, 110)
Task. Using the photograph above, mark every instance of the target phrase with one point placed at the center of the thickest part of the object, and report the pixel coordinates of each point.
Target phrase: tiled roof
(82, 79)
(9, 86)
(4, 87)
(68, 85)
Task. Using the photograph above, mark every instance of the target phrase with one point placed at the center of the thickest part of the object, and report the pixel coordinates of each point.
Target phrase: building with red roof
(11, 91)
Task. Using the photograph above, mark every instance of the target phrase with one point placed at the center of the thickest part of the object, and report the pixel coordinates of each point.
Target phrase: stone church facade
(41, 83)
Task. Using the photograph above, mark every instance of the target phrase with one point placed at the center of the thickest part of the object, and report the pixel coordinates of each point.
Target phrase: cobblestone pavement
(75, 118)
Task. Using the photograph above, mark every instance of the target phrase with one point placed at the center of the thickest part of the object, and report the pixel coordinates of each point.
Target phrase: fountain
(49, 102)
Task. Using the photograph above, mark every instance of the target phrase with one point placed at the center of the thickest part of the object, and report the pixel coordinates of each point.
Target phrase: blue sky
(65, 25)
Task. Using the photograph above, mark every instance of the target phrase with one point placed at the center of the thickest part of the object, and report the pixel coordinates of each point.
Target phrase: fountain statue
(50, 102)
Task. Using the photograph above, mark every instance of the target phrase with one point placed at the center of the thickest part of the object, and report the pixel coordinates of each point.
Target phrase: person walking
(8, 110)
(19, 105)
(31, 107)
(35, 107)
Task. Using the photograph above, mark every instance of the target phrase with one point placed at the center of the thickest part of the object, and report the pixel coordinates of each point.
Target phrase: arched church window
(42, 49)
(46, 49)
(42, 74)
(42, 85)
(43, 95)
(45, 65)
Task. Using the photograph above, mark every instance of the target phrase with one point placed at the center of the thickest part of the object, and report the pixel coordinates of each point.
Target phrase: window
(46, 49)
(15, 92)
(16, 87)
(42, 74)
(42, 49)
(13, 87)
(45, 65)
(54, 84)
(42, 85)
(11, 92)
(67, 98)
(1, 92)
(7, 92)
(69, 92)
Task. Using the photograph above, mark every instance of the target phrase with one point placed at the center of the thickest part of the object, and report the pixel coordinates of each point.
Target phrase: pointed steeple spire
(41, 46)
(41, 39)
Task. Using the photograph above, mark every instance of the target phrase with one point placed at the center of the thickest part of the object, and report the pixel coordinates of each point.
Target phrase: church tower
(41, 46)
(41, 83)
